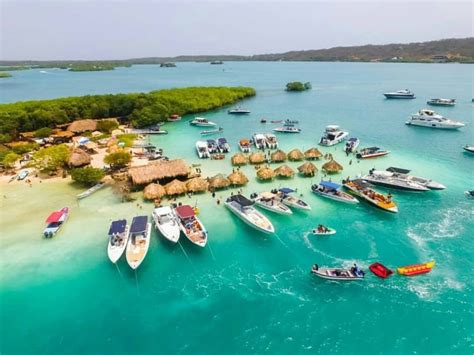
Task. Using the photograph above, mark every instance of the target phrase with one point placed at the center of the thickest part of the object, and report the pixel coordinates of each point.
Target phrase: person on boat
(389, 198)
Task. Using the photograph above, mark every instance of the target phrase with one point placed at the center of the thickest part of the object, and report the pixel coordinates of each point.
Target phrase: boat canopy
(363, 183)
(161, 211)
(267, 195)
(139, 224)
(244, 142)
(185, 211)
(330, 185)
(118, 227)
(286, 190)
(55, 217)
(241, 200)
(398, 170)
(211, 141)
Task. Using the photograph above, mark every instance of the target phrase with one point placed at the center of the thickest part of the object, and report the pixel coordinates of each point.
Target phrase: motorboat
(441, 102)
(23, 174)
(469, 148)
(469, 194)
(222, 145)
(399, 178)
(333, 191)
(191, 225)
(271, 141)
(259, 141)
(263, 120)
(118, 238)
(276, 121)
(400, 94)
(55, 221)
(138, 241)
(289, 122)
(352, 274)
(202, 122)
(363, 190)
(351, 145)
(167, 223)
(238, 111)
(285, 196)
(371, 152)
(323, 230)
(174, 118)
(416, 269)
(202, 151)
(90, 191)
(287, 129)
(269, 201)
(244, 145)
(429, 118)
(333, 135)
(212, 146)
(212, 131)
(243, 208)
(380, 270)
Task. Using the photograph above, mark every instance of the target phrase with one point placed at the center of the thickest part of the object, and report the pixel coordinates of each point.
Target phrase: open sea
(247, 292)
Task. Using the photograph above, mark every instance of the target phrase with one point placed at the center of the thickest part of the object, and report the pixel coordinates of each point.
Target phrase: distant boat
(201, 122)
(212, 131)
(55, 222)
(238, 111)
(22, 175)
(214, 62)
(244, 145)
(469, 148)
(352, 274)
(90, 191)
(118, 237)
(400, 94)
(174, 118)
(287, 129)
(138, 241)
(243, 208)
(351, 145)
(167, 223)
(469, 194)
(430, 119)
(223, 146)
(441, 102)
(371, 152)
(191, 226)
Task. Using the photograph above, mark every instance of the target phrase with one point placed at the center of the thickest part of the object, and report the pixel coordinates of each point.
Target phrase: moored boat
(430, 119)
(243, 208)
(202, 122)
(90, 191)
(400, 94)
(371, 152)
(285, 196)
(174, 118)
(23, 174)
(362, 189)
(167, 223)
(287, 129)
(339, 274)
(212, 131)
(333, 191)
(55, 221)
(441, 102)
(212, 146)
(244, 145)
(469, 194)
(138, 241)
(118, 238)
(351, 145)
(416, 269)
(380, 270)
(269, 202)
(202, 150)
(469, 148)
(398, 178)
(259, 141)
(333, 135)
(271, 141)
(222, 145)
(191, 225)
(238, 111)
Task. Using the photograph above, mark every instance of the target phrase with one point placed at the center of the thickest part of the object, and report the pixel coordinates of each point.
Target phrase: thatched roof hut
(257, 158)
(238, 178)
(332, 167)
(278, 156)
(154, 191)
(295, 155)
(239, 159)
(175, 187)
(79, 158)
(197, 184)
(313, 153)
(218, 182)
(159, 171)
(80, 126)
(284, 171)
(265, 173)
(308, 169)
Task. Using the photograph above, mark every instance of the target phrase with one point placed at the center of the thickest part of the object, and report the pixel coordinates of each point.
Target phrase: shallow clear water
(247, 292)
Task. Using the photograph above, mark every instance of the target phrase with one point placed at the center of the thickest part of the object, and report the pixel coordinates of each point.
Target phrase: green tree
(43, 132)
(118, 160)
(87, 175)
(49, 160)
(106, 126)
(297, 86)
(10, 159)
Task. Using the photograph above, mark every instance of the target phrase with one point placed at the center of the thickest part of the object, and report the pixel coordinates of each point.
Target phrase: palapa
(79, 158)
(257, 158)
(313, 153)
(278, 156)
(175, 187)
(265, 173)
(159, 171)
(295, 155)
(308, 169)
(218, 182)
(239, 159)
(332, 167)
(154, 191)
(197, 184)
(80, 126)
(284, 171)
(238, 178)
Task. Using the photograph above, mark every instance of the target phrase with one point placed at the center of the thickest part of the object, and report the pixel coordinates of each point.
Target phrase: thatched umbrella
(154, 191)
(278, 156)
(257, 158)
(313, 153)
(295, 155)
(308, 169)
(79, 158)
(197, 184)
(284, 171)
(239, 159)
(175, 187)
(332, 167)
(265, 173)
(238, 178)
(80, 126)
(218, 182)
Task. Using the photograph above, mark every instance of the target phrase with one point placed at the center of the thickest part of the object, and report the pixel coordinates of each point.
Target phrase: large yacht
(243, 208)
(400, 178)
(333, 135)
(400, 94)
(429, 118)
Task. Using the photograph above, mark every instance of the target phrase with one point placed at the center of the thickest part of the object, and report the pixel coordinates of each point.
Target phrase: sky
(121, 29)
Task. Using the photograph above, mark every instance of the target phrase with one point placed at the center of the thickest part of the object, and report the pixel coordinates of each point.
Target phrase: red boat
(380, 270)
(371, 152)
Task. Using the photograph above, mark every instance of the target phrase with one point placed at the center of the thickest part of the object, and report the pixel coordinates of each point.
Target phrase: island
(168, 65)
(298, 86)
(5, 75)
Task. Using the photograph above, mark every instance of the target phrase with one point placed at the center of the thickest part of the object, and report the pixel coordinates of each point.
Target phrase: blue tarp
(330, 185)
(286, 190)
(117, 227)
(139, 224)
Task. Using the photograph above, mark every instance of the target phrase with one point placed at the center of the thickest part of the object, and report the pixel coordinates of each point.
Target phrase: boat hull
(434, 125)
(275, 209)
(248, 222)
(398, 96)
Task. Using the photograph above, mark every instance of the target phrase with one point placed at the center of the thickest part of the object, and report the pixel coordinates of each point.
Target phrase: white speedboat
(202, 151)
(287, 129)
(138, 241)
(333, 135)
(238, 111)
(441, 102)
(469, 148)
(223, 146)
(429, 118)
(244, 145)
(285, 196)
(212, 146)
(351, 145)
(55, 221)
(212, 131)
(270, 202)
(332, 191)
(118, 238)
(371, 152)
(469, 194)
(351, 274)
(191, 225)
(271, 141)
(167, 223)
(400, 94)
(259, 141)
(243, 208)
(202, 122)
(399, 178)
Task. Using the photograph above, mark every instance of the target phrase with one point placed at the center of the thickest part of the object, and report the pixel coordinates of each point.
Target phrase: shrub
(118, 160)
(298, 86)
(87, 175)
(106, 126)
(50, 159)
(10, 159)
(43, 132)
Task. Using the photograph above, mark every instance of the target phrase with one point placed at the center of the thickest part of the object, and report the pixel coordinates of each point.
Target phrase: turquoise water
(247, 292)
